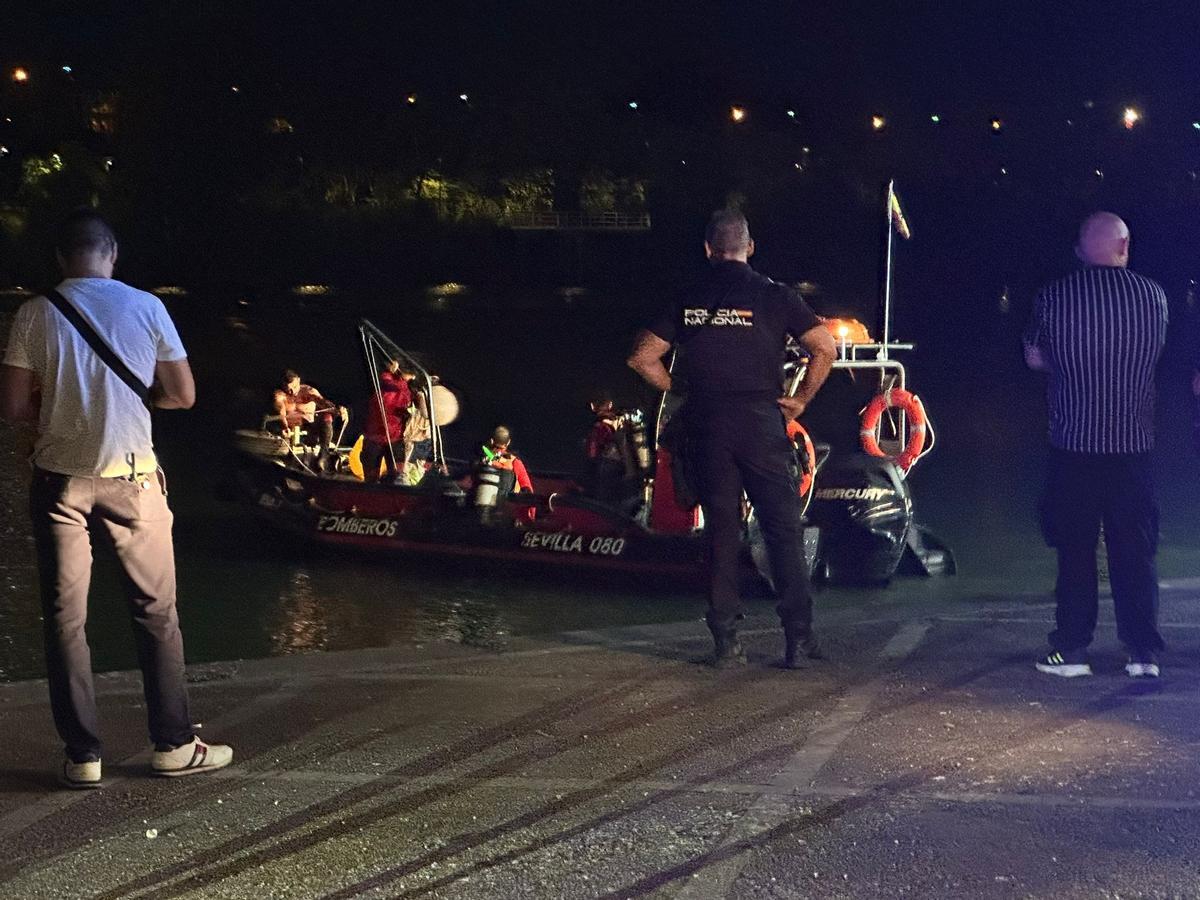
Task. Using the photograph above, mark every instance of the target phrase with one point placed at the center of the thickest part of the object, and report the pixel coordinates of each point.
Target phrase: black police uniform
(732, 326)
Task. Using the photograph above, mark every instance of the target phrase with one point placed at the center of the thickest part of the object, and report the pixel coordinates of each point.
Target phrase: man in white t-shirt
(95, 475)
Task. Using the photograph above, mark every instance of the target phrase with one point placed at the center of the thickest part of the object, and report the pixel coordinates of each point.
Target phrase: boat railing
(551, 220)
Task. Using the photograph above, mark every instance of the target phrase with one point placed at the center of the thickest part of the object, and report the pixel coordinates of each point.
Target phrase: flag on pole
(897, 215)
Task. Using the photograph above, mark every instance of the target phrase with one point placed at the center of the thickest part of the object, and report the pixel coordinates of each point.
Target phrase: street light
(997, 125)
(464, 98)
(737, 113)
(1131, 117)
(878, 123)
(411, 99)
(20, 75)
(633, 104)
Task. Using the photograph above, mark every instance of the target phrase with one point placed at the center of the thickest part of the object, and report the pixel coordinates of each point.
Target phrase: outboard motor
(864, 510)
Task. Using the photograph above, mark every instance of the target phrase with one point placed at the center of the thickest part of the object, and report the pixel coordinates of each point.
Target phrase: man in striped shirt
(1097, 334)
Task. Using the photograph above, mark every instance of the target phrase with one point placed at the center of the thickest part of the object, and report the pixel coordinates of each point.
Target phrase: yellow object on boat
(354, 460)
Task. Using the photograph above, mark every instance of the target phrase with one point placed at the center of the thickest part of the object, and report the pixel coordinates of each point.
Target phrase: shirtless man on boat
(298, 404)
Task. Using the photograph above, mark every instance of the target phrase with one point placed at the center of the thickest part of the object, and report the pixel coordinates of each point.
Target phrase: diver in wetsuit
(733, 325)
(495, 453)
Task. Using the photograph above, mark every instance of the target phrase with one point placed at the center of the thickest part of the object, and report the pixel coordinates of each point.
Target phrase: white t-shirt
(91, 422)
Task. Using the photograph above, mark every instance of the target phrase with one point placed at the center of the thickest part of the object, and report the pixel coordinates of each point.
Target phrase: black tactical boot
(727, 651)
(800, 646)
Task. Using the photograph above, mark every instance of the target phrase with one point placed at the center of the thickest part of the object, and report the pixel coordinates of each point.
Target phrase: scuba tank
(487, 489)
(635, 425)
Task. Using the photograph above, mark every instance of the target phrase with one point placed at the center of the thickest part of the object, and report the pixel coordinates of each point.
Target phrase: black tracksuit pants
(1083, 490)
(742, 444)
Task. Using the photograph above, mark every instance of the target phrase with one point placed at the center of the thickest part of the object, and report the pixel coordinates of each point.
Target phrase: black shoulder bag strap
(106, 354)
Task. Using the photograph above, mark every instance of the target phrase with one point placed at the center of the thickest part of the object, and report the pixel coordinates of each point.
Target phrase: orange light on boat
(737, 113)
(20, 74)
(848, 331)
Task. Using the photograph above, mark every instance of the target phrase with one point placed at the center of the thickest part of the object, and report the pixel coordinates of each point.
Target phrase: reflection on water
(308, 617)
(302, 624)
(471, 618)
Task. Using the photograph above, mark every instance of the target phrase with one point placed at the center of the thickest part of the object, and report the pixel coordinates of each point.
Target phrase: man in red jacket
(387, 414)
(604, 451)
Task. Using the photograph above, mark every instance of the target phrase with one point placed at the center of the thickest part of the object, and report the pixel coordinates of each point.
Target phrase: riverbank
(927, 757)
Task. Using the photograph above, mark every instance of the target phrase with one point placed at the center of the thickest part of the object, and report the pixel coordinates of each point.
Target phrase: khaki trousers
(132, 518)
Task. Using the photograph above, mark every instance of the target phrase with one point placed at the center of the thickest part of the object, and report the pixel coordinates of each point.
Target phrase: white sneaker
(1072, 664)
(1142, 665)
(191, 758)
(80, 776)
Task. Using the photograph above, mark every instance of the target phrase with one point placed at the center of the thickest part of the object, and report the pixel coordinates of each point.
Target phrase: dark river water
(529, 360)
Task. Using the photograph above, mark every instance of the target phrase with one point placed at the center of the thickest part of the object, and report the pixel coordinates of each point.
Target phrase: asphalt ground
(926, 758)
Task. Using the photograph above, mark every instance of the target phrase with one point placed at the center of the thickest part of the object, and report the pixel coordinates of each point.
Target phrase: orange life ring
(914, 410)
(804, 445)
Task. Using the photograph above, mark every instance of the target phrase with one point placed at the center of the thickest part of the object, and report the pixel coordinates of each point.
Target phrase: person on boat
(496, 453)
(418, 432)
(732, 325)
(604, 450)
(387, 416)
(298, 404)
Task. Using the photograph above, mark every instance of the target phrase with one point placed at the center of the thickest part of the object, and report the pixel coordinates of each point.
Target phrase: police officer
(732, 326)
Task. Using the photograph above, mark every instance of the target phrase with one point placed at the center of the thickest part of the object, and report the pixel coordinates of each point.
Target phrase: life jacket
(497, 457)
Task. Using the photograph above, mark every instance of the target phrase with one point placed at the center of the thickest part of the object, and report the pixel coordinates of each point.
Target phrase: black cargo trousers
(736, 444)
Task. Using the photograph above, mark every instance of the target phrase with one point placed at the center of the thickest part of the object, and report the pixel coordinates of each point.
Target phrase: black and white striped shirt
(1100, 331)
